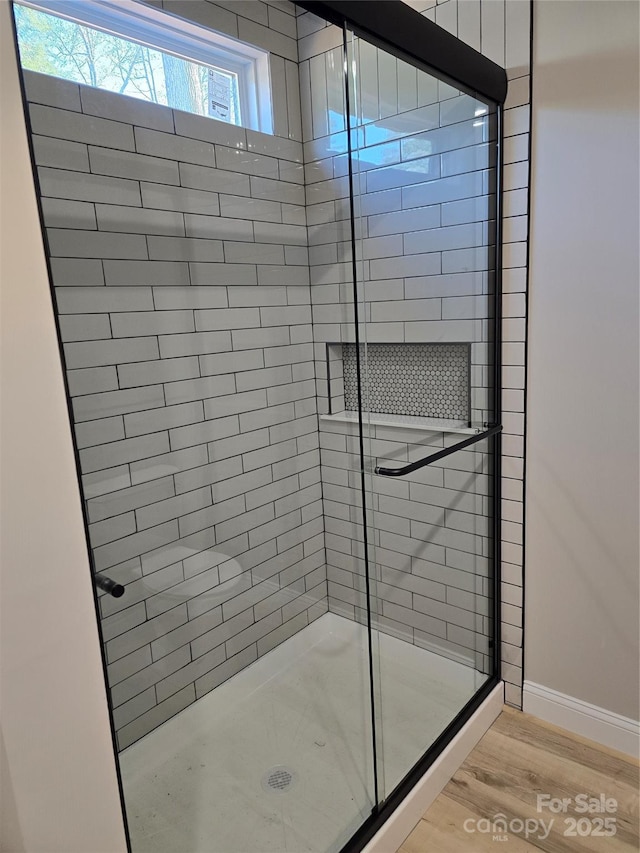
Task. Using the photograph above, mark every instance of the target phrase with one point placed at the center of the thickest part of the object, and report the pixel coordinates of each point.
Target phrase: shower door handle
(428, 460)
(113, 588)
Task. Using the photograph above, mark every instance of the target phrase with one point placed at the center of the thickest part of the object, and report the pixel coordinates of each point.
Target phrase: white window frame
(169, 33)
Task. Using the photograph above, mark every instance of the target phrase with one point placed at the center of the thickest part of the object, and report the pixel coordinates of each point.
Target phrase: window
(135, 50)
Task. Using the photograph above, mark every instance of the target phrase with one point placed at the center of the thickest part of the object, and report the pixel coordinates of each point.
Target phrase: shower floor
(197, 783)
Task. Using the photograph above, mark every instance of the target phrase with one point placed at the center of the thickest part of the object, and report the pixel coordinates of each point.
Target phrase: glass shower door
(180, 278)
(423, 171)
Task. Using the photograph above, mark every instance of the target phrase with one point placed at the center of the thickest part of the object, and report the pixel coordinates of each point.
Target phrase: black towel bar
(428, 460)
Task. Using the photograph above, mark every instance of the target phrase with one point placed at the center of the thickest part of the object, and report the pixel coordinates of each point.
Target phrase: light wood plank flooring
(518, 759)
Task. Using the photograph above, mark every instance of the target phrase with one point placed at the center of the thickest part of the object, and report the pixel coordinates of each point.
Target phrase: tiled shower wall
(434, 575)
(179, 257)
(501, 30)
(422, 183)
(168, 465)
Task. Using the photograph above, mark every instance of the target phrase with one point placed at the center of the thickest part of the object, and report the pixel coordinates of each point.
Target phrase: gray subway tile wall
(501, 31)
(195, 306)
(390, 181)
(165, 305)
(441, 138)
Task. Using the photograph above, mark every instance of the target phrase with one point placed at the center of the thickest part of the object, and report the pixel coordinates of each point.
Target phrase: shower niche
(421, 381)
(280, 336)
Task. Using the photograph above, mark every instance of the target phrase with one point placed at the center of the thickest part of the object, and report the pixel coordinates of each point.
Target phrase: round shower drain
(279, 779)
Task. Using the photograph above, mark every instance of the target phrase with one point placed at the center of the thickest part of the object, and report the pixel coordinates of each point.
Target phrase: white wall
(581, 592)
(58, 780)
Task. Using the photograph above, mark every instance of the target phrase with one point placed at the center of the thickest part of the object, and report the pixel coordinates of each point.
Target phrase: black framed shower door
(423, 117)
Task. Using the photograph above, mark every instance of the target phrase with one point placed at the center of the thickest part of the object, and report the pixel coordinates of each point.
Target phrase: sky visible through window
(62, 48)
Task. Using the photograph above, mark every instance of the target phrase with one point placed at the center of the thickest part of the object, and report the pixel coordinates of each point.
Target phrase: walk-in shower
(272, 232)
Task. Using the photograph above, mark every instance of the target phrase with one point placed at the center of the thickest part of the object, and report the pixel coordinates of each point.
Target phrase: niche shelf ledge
(410, 422)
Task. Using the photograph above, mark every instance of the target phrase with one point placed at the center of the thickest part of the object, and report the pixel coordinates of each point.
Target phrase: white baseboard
(582, 718)
(391, 835)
